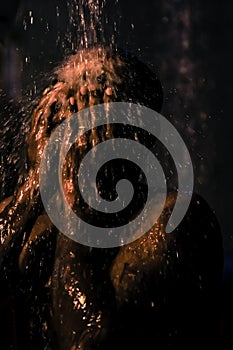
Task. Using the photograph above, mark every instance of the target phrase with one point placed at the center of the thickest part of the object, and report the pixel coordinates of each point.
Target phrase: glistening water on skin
(130, 289)
(130, 115)
(134, 286)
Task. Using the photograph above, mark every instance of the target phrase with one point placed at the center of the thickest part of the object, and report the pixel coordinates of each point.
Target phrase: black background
(188, 43)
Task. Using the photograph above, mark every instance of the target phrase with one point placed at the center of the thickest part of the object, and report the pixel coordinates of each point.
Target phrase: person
(160, 289)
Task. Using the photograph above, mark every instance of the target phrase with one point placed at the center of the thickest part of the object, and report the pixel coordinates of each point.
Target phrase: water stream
(76, 296)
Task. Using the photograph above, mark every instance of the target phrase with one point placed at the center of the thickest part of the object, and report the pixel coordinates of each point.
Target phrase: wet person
(158, 291)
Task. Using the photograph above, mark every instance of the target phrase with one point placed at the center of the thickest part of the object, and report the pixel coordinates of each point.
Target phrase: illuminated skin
(76, 297)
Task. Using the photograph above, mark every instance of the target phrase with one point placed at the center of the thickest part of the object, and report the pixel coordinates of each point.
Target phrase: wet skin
(160, 288)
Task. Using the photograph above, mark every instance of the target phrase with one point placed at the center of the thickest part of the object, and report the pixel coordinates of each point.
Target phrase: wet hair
(132, 80)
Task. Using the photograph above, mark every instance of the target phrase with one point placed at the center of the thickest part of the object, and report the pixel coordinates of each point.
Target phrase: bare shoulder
(194, 249)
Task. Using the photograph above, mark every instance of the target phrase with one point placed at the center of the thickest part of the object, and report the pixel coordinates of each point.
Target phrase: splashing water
(87, 286)
(86, 27)
(88, 23)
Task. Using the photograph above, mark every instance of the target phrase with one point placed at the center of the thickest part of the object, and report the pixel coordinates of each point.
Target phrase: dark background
(188, 43)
